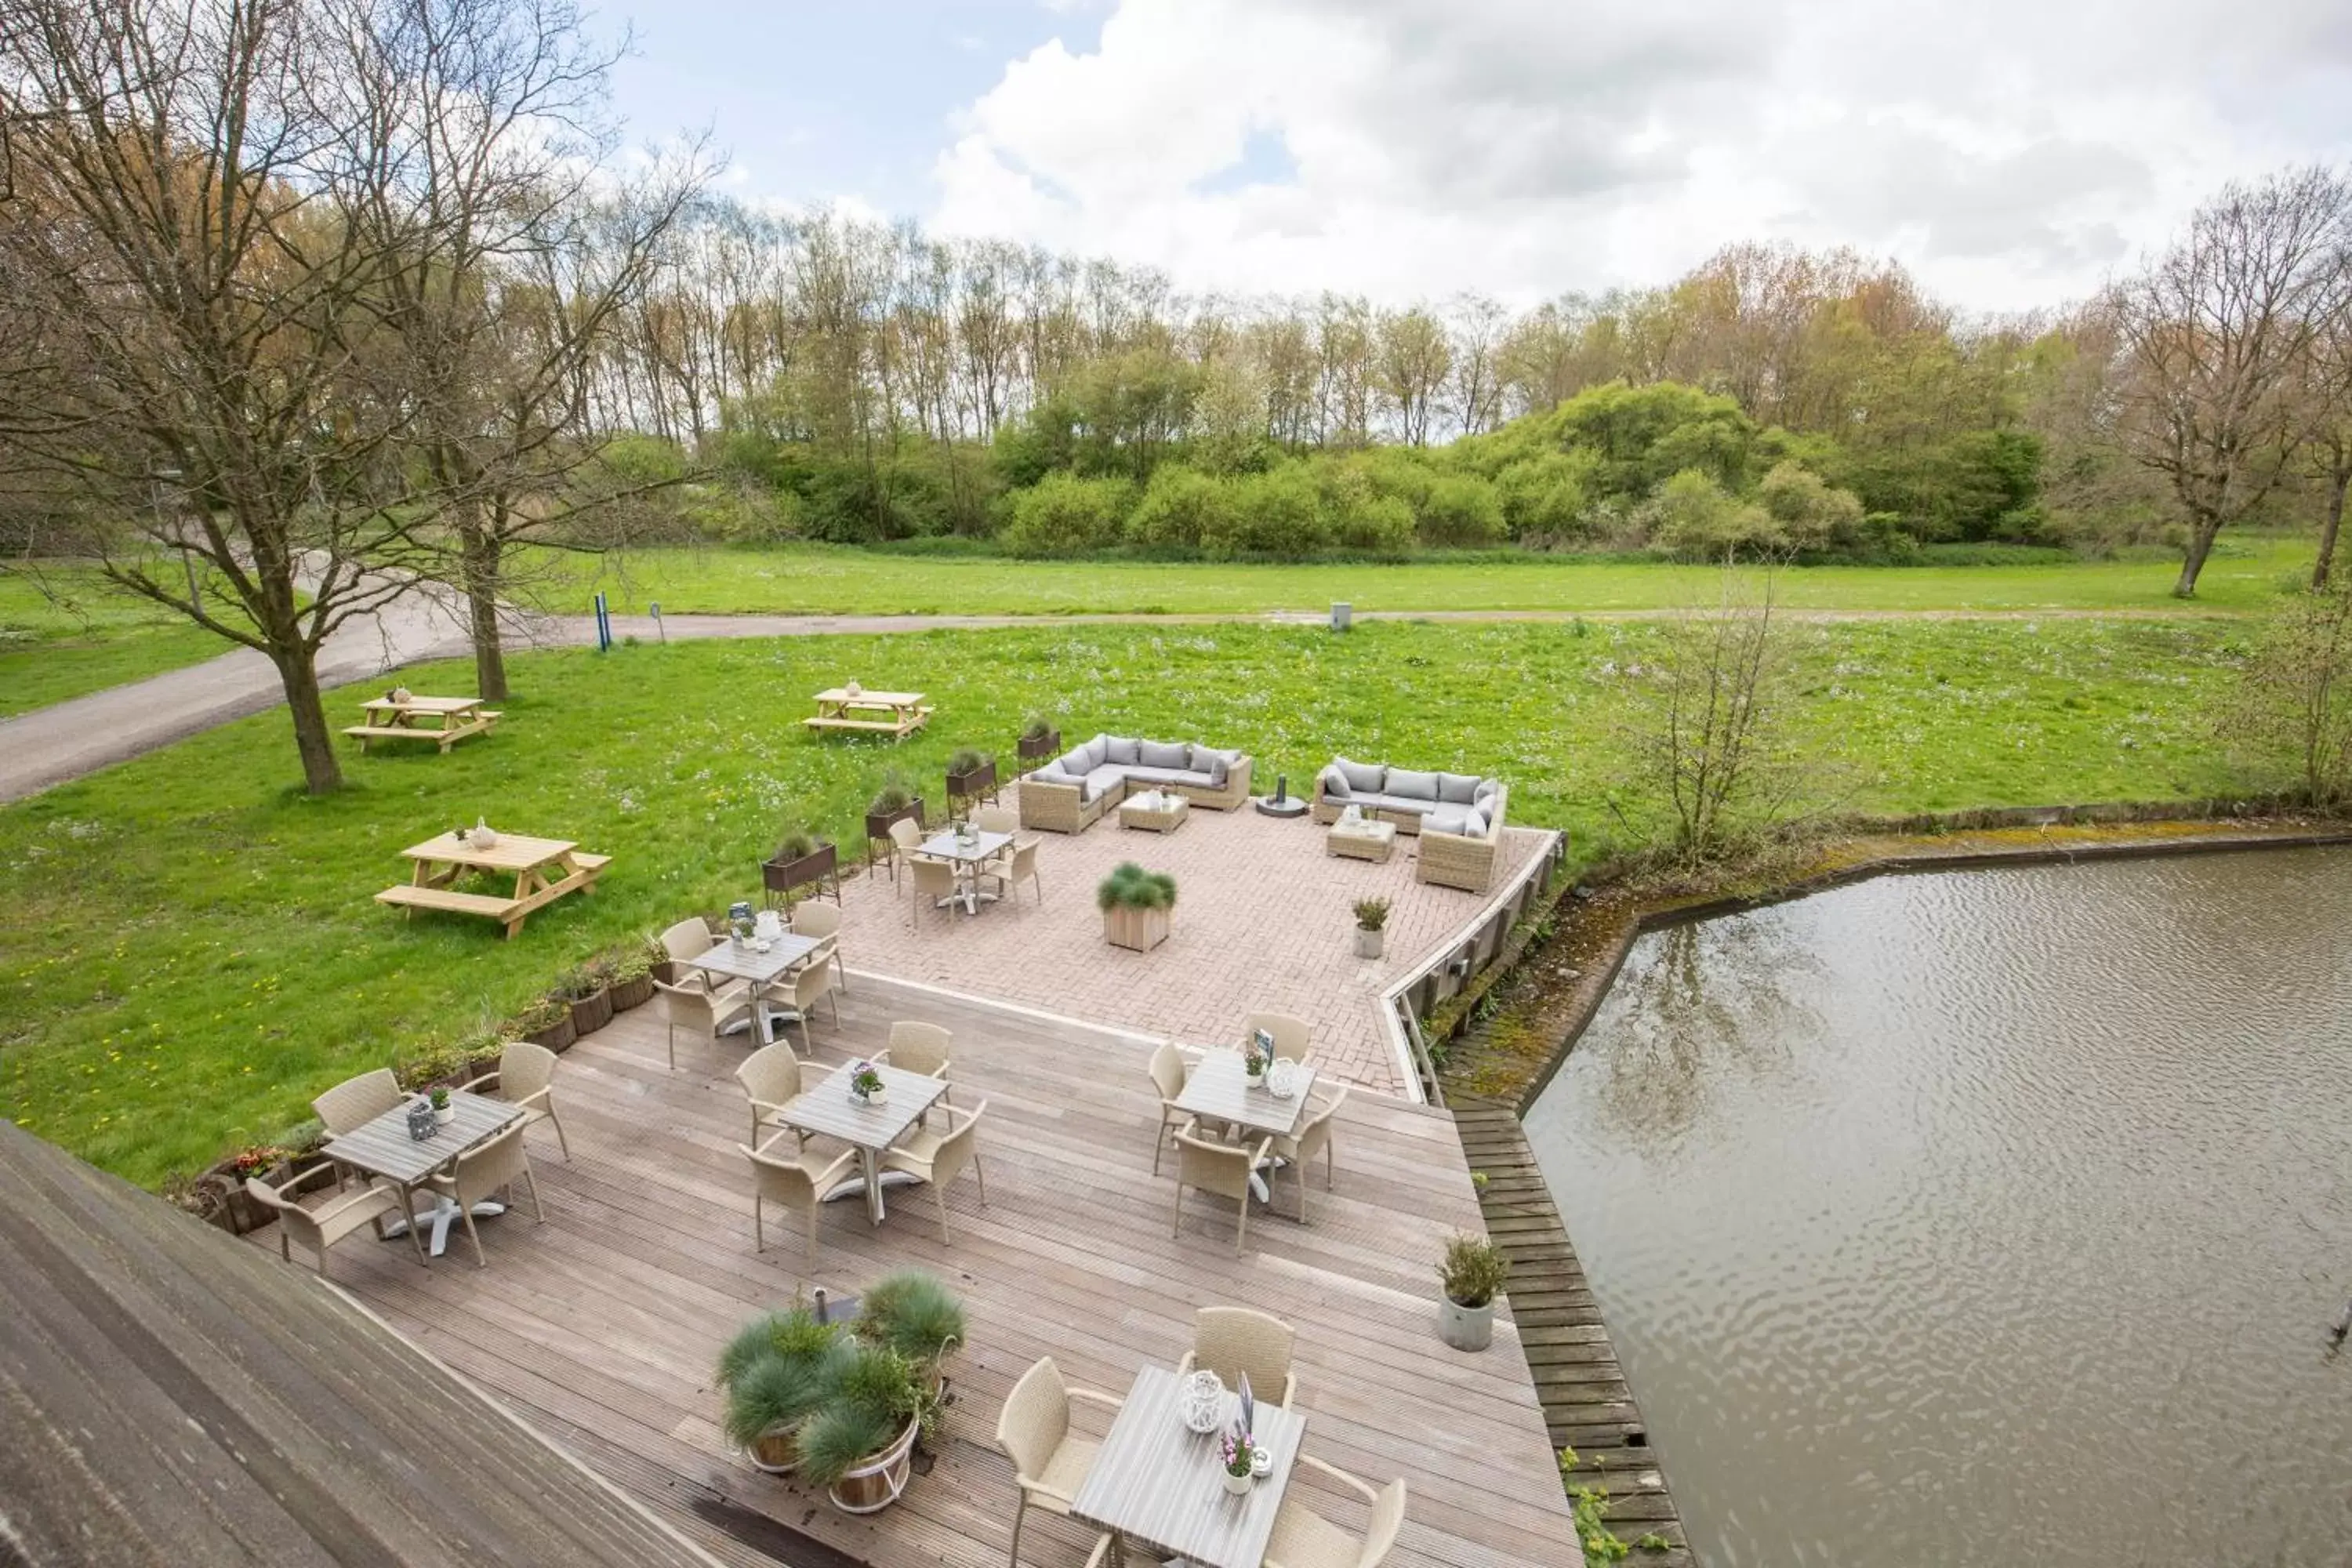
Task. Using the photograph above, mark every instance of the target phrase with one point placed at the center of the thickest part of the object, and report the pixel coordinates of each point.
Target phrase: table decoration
(865, 1084)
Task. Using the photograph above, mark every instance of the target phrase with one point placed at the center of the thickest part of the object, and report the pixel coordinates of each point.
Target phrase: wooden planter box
(877, 1482)
(1046, 746)
(878, 825)
(776, 1451)
(1140, 930)
(557, 1037)
(818, 867)
(592, 1013)
(628, 993)
(980, 781)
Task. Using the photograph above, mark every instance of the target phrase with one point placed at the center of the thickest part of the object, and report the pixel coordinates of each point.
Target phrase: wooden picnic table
(1157, 1481)
(894, 713)
(452, 719)
(544, 869)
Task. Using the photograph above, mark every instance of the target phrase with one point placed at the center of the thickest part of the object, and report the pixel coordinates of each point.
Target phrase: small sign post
(603, 626)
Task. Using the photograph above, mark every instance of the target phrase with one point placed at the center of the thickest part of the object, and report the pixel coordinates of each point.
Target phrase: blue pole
(603, 627)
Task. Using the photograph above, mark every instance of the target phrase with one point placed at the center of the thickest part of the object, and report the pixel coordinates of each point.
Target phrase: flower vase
(1238, 1486)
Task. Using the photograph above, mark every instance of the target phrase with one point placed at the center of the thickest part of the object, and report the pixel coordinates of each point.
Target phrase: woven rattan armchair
(319, 1227)
(812, 982)
(821, 923)
(794, 1180)
(1169, 1073)
(1224, 1168)
(354, 1102)
(1049, 1465)
(1313, 1137)
(1304, 1538)
(495, 1167)
(772, 1077)
(1293, 1036)
(939, 1158)
(690, 938)
(525, 1076)
(919, 1048)
(1234, 1341)
(694, 1006)
(936, 884)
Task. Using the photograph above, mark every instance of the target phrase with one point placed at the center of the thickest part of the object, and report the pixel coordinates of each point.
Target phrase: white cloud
(2010, 151)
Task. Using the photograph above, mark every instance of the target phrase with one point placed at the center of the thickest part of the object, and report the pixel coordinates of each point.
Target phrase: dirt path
(50, 745)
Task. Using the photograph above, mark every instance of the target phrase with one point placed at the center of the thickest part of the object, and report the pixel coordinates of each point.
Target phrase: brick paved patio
(1262, 921)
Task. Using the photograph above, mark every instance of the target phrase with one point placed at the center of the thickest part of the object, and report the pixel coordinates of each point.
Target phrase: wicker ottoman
(1365, 840)
(1155, 811)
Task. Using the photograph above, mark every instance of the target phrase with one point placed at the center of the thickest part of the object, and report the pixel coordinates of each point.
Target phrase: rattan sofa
(1070, 794)
(1457, 817)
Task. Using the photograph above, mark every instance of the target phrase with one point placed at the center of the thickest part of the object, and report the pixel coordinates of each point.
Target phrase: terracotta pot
(1140, 930)
(1049, 745)
(628, 993)
(777, 1450)
(557, 1037)
(875, 1482)
(591, 1014)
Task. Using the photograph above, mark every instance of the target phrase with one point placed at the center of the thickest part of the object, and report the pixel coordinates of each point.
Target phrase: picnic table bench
(894, 713)
(545, 870)
(453, 718)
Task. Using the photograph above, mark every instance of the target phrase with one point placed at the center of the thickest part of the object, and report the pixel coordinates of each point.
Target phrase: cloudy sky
(2011, 152)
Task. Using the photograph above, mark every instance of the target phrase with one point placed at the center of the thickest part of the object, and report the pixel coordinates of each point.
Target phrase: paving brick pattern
(1262, 921)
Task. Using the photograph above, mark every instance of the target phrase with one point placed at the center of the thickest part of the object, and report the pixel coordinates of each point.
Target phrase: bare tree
(2293, 702)
(2329, 386)
(2212, 335)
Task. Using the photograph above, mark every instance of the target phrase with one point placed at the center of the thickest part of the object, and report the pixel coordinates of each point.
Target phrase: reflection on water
(1984, 1217)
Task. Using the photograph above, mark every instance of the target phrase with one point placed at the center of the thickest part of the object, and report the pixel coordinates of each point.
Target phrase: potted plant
(1474, 1274)
(860, 1443)
(1371, 915)
(632, 978)
(1041, 736)
(915, 1314)
(775, 1374)
(970, 775)
(660, 965)
(260, 1162)
(1135, 905)
(587, 990)
(896, 799)
(545, 1022)
(1239, 1452)
(1257, 1057)
(800, 859)
(444, 1112)
(865, 1084)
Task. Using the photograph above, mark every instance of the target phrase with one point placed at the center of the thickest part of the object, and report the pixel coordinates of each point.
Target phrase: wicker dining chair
(797, 1180)
(1017, 866)
(772, 1077)
(495, 1167)
(356, 1101)
(1291, 1034)
(996, 819)
(939, 1158)
(691, 1005)
(933, 882)
(906, 844)
(689, 938)
(1049, 1465)
(1312, 1138)
(814, 983)
(1234, 1340)
(919, 1048)
(1221, 1168)
(821, 923)
(525, 1076)
(1304, 1538)
(320, 1227)
(1169, 1073)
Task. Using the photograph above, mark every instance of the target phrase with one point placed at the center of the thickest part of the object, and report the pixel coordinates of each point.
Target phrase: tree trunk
(2200, 545)
(480, 570)
(297, 671)
(2337, 479)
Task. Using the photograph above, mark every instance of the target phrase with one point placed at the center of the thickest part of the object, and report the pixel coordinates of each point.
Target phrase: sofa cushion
(1333, 783)
(1411, 785)
(1166, 754)
(1210, 762)
(1074, 763)
(1400, 803)
(1457, 789)
(1104, 779)
(1462, 819)
(1166, 776)
(1052, 774)
(1121, 749)
(1364, 778)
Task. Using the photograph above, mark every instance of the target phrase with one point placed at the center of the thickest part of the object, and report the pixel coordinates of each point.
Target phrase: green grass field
(2244, 572)
(99, 638)
(185, 968)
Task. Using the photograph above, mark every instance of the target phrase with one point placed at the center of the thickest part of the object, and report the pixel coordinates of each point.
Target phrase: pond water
(1987, 1216)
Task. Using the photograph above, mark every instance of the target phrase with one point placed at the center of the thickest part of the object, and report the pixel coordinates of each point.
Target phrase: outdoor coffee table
(829, 1110)
(452, 719)
(545, 870)
(1219, 1091)
(1158, 1482)
(738, 961)
(968, 855)
(1154, 811)
(382, 1147)
(1364, 839)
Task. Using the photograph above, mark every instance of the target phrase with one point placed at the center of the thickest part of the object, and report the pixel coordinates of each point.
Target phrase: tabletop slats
(1219, 1091)
(750, 963)
(1157, 1480)
(382, 1147)
(829, 1109)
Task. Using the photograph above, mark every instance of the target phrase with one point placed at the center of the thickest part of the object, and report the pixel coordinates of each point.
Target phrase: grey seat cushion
(1218, 765)
(1102, 780)
(1456, 789)
(1364, 778)
(1167, 776)
(1397, 802)
(1052, 774)
(1412, 785)
(1462, 819)
(1167, 754)
(1121, 749)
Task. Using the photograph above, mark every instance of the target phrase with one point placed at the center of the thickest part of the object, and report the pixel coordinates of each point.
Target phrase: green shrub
(913, 1313)
(1063, 515)
(1182, 506)
(1130, 887)
(1692, 515)
(1279, 513)
(1460, 511)
(1473, 1272)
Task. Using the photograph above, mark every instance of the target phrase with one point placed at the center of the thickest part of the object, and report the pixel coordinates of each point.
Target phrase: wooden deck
(600, 1327)
(1587, 1403)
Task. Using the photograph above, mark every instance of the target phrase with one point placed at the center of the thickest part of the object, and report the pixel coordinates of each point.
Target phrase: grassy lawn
(831, 580)
(100, 637)
(186, 968)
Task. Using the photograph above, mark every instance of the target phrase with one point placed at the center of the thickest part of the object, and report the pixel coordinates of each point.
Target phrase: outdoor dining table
(739, 961)
(968, 855)
(894, 713)
(1157, 1481)
(1219, 1091)
(544, 869)
(830, 1109)
(452, 719)
(381, 1146)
